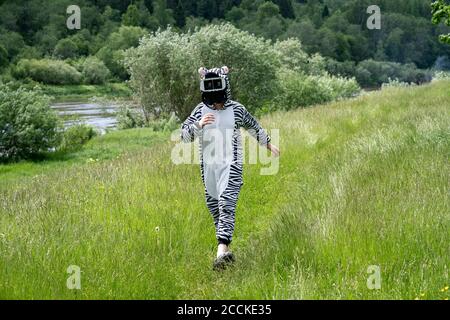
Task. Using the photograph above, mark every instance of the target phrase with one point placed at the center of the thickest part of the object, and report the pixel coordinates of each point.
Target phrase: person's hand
(274, 149)
(206, 119)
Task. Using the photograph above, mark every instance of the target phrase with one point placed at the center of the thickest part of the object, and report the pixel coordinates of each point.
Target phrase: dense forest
(33, 32)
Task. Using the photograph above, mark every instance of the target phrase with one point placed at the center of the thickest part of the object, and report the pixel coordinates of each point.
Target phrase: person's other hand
(274, 149)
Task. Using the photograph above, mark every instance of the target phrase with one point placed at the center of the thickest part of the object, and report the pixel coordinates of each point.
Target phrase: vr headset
(213, 84)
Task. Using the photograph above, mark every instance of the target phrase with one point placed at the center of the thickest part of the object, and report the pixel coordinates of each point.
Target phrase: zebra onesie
(220, 148)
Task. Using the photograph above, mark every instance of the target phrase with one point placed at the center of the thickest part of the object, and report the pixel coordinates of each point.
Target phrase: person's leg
(213, 207)
(227, 207)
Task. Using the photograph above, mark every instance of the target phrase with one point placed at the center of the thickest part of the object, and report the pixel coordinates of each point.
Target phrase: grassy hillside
(362, 182)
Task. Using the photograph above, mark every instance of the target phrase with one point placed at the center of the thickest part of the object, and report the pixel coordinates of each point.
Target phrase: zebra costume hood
(220, 96)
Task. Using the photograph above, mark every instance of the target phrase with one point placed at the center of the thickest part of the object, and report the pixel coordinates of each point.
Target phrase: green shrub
(441, 75)
(47, 71)
(28, 126)
(95, 71)
(113, 60)
(164, 124)
(164, 71)
(341, 88)
(397, 84)
(371, 73)
(128, 118)
(76, 136)
(253, 62)
(338, 68)
(65, 49)
(291, 55)
(300, 90)
(164, 67)
(13, 42)
(3, 57)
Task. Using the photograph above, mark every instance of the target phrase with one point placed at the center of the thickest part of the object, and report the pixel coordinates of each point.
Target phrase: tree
(65, 49)
(179, 14)
(207, 9)
(235, 14)
(286, 9)
(325, 12)
(269, 22)
(12, 42)
(441, 12)
(131, 16)
(95, 71)
(394, 48)
(267, 10)
(163, 15)
(112, 53)
(126, 37)
(3, 57)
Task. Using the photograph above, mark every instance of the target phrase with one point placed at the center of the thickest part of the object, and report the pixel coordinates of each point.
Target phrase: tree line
(336, 29)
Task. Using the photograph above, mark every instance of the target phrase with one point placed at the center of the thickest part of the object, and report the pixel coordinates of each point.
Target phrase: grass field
(362, 182)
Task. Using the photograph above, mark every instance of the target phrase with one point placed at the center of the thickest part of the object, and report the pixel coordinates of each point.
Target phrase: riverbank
(68, 93)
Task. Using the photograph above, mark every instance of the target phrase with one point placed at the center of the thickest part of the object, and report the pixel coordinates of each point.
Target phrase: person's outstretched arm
(255, 130)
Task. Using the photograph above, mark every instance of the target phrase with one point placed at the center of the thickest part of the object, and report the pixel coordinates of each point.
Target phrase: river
(100, 116)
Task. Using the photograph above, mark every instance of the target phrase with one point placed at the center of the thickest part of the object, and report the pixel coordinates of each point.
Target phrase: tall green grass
(362, 182)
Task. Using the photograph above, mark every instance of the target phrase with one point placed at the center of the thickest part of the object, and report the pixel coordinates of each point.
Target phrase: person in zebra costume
(216, 121)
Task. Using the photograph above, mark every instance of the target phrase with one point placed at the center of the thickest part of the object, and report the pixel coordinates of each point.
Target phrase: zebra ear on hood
(224, 70)
(202, 72)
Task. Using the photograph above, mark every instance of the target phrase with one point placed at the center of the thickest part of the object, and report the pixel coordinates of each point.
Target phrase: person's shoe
(223, 261)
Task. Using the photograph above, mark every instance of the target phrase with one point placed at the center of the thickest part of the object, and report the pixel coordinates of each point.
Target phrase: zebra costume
(221, 159)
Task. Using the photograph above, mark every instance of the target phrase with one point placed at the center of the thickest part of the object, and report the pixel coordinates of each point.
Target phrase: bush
(95, 71)
(397, 84)
(253, 62)
(441, 75)
(164, 125)
(371, 73)
(291, 55)
(164, 67)
(343, 69)
(47, 71)
(28, 126)
(341, 88)
(300, 90)
(113, 60)
(13, 42)
(76, 136)
(128, 118)
(65, 49)
(164, 71)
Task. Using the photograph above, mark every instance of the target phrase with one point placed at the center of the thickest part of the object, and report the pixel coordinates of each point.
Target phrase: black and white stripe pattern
(223, 209)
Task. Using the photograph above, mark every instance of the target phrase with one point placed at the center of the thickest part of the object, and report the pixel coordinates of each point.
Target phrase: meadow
(362, 182)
